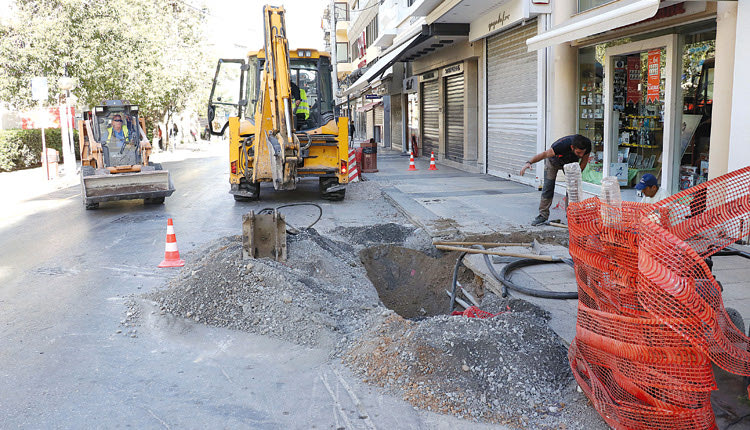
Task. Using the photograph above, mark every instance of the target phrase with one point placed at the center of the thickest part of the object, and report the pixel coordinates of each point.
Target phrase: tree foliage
(150, 52)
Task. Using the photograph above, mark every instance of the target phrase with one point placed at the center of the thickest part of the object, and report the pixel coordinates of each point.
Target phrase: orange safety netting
(651, 317)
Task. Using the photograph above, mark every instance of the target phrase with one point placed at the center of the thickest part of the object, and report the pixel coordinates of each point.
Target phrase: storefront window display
(591, 108)
(697, 89)
(638, 112)
(638, 102)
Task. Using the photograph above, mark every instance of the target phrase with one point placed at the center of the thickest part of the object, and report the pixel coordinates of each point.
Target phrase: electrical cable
(320, 213)
(504, 278)
(455, 281)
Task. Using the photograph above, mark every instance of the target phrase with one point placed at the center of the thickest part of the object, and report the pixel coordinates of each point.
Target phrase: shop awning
(605, 18)
(383, 63)
(368, 106)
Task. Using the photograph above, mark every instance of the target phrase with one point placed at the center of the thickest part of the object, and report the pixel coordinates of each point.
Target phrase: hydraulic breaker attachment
(264, 236)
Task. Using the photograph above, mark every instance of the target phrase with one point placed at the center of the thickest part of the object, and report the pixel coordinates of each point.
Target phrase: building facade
(657, 86)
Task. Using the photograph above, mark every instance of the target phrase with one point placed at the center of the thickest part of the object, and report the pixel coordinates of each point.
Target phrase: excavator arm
(277, 126)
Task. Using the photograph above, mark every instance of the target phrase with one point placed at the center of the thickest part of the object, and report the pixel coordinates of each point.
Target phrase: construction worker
(300, 101)
(569, 149)
(117, 132)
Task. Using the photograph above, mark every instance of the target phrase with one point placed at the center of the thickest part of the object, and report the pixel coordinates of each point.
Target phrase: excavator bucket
(264, 236)
(102, 186)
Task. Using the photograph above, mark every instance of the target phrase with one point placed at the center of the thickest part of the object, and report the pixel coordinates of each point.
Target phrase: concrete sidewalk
(450, 203)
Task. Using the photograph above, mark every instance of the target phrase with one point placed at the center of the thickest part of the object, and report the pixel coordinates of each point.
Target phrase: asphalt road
(67, 361)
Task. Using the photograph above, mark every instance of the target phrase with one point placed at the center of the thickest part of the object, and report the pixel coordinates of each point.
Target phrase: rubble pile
(508, 369)
(318, 294)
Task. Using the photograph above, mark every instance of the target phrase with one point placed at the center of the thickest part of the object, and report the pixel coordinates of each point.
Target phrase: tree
(150, 52)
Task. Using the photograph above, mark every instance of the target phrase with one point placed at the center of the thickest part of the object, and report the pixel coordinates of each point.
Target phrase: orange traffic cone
(171, 254)
(432, 161)
(412, 167)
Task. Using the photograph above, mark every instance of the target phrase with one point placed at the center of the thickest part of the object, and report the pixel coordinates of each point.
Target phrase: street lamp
(66, 83)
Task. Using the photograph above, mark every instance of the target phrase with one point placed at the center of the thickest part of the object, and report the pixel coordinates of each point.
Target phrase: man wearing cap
(649, 186)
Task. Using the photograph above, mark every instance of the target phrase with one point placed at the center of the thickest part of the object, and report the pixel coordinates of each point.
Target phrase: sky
(237, 26)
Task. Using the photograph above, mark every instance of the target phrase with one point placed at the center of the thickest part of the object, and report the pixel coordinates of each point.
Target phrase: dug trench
(375, 299)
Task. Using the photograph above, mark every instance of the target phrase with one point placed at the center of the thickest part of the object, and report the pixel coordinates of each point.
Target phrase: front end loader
(115, 157)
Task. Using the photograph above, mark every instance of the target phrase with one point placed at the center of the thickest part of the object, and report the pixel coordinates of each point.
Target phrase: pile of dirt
(312, 299)
(377, 234)
(509, 369)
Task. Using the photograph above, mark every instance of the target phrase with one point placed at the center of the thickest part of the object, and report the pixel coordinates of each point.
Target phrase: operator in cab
(301, 107)
(117, 132)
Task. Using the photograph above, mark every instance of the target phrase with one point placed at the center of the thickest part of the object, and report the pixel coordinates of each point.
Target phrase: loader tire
(91, 206)
(154, 201)
(334, 195)
(251, 187)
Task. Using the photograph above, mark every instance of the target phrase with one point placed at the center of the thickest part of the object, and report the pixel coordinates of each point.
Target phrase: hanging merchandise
(634, 79)
(654, 75)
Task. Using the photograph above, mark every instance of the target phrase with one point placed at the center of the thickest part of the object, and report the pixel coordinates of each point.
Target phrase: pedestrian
(569, 149)
(649, 186)
(351, 130)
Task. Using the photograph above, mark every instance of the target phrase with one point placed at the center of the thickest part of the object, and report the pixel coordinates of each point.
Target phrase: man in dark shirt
(568, 149)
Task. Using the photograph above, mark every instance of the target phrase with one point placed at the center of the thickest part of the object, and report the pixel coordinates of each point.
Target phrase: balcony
(342, 29)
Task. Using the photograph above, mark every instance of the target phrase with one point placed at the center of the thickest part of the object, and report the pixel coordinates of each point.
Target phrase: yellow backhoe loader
(115, 157)
(278, 106)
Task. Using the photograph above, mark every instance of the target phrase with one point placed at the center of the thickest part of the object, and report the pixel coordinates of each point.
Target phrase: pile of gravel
(312, 299)
(377, 234)
(509, 369)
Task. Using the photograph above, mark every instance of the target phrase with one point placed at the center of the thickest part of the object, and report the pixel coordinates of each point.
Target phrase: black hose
(732, 251)
(455, 281)
(320, 213)
(504, 278)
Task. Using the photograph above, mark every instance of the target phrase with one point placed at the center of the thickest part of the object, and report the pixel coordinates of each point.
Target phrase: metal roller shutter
(379, 115)
(370, 117)
(430, 117)
(511, 101)
(396, 122)
(454, 117)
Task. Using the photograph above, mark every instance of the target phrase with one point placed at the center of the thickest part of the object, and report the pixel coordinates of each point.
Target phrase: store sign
(429, 76)
(654, 75)
(499, 19)
(454, 69)
(372, 96)
(634, 79)
(411, 85)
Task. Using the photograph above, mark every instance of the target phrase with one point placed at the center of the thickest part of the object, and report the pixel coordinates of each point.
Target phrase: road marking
(337, 407)
(357, 403)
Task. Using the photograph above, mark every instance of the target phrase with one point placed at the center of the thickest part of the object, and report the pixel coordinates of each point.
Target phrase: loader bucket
(126, 186)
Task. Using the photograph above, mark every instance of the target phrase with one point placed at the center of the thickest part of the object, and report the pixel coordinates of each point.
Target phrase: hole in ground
(412, 283)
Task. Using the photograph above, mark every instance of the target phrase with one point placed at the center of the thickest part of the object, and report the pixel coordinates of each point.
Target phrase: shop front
(645, 103)
(515, 96)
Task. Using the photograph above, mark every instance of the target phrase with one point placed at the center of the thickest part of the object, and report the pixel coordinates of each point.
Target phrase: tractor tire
(154, 201)
(334, 195)
(251, 187)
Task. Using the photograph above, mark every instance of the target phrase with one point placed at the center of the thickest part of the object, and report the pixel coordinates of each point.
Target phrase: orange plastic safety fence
(650, 313)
